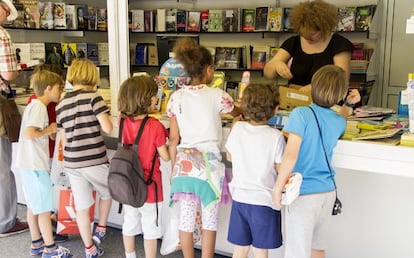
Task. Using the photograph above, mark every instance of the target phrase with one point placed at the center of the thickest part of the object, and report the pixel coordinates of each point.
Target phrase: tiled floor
(18, 245)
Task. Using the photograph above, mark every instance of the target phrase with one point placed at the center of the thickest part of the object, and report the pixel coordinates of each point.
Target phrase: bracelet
(346, 103)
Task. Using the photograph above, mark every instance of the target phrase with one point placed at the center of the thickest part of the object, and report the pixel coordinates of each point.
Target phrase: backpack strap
(141, 130)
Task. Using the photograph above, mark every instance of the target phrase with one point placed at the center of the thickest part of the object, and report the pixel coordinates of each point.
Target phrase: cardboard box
(291, 97)
(66, 223)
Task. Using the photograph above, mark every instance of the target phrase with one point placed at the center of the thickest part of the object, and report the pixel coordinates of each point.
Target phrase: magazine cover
(46, 15)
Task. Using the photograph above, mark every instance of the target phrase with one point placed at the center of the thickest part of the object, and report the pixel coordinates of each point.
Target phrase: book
(141, 53)
(31, 13)
(37, 52)
(102, 18)
(286, 22)
(193, 21)
(275, 19)
(227, 57)
(364, 16)
(152, 54)
(181, 20)
(103, 53)
(19, 21)
(215, 20)
(54, 54)
(171, 20)
(231, 20)
(81, 50)
(204, 20)
(248, 16)
(22, 52)
(261, 18)
(92, 52)
(82, 15)
(218, 80)
(148, 21)
(69, 53)
(92, 17)
(260, 56)
(59, 15)
(377, 134)
(138, 20)
(71, 17)
(160, 25)
(46, 15)
(346, 18)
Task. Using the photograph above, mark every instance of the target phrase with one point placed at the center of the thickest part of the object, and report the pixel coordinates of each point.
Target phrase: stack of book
(407, 139)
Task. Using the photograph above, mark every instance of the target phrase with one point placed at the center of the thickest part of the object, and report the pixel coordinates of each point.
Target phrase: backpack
(10, 119)
(126, 181)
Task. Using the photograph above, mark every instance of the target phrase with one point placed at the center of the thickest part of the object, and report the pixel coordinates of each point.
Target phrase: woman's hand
(283, 70)
(353, 97)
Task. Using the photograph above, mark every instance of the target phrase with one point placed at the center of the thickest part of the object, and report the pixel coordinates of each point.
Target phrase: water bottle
(410, 99)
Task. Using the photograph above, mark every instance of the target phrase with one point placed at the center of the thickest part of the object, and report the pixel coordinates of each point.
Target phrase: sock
(91, 250)
(131, 255)
(38, 242)
(50, 248)
(101, 229)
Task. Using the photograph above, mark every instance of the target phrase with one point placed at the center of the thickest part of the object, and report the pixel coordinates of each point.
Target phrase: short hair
(82, 71)
(134, 96)
(193, 57)
(329, 86)
(41, 79)
(259, 101)
(314, 16)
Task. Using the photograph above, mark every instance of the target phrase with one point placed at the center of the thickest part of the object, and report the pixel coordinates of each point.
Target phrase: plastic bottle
(410, 98)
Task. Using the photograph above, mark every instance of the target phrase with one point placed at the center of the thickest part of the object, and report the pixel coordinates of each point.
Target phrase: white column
(118, 44)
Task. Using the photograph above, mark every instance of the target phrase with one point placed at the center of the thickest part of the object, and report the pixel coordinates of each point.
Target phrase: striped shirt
(77, 114)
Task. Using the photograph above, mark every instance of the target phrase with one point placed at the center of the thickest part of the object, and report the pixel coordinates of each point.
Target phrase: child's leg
(188, 209)
(84, 224)
(208, 243)
(129, 246)
(150, 247)
(318, 253)
(187, 245)
(32, 220)
(151, 227)
(241, 251)
(210, 224)
(45, 225)
(259, 253)
(104, 208)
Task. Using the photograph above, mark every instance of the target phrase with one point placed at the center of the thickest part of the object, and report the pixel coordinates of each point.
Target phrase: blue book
(140, 54)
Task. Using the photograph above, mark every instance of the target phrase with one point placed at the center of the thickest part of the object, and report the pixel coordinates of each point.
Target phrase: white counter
(377, 218)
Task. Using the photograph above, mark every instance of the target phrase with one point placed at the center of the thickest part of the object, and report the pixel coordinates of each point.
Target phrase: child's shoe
(97, 251)
(59, 252)
(98, 237)
(36, 251)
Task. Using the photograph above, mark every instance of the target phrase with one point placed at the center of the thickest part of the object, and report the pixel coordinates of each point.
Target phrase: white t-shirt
(33, 154)
(197, 110)
(254, 151)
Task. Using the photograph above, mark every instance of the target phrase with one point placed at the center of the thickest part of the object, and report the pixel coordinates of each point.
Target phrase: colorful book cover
(260, 55)
(82, 15)
(54, 54)
(363, 18)
(346, 18)
(137, 20)
(141, 54)
(81, 50)
(171, 20)
(248, 17)
(181, 20)
(148, 21)
(92, 17)
(68, 52)
(231, 20)
(193, 24)
(71, 17)
(31, 13)
(46, 15)
(204, 20)
(215, 21)
(92, 52)
(219, 80)
(102, 19)
(261, 18)
(286, 22)
(275, 19)
(59, 15)
(227, 57)
(103, 53)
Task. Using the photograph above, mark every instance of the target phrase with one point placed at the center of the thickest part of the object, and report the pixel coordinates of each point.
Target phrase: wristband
(346, 103)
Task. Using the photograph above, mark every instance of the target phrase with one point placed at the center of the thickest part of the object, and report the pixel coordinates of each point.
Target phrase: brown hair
(41, 79)
(83, 71)
(329, 86)
(314, 16)
(134, 96)
(50, 67)
(259, 101)
(193, 57)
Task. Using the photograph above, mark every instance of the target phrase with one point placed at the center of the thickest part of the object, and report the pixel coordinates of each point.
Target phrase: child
(35, 168)
(195, 135)
(307, 236)
(81, 115)
(255, 150)
(137, 96)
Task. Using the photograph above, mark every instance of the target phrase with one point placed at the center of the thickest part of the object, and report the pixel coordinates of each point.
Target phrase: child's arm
(173, 140)
(105, 122)
(163, 152)
(33, 132)
(236, 111)
(228, 155)
(288, 163)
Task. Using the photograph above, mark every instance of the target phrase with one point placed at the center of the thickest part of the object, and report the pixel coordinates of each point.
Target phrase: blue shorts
(259, 226)
(37, 188)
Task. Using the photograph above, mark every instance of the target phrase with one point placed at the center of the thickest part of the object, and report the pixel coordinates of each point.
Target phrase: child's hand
(276, 200)
(52, 128)
(353, 97)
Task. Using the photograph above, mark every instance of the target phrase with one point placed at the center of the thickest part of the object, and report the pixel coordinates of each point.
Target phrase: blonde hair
(329, 86)
(135, 95)
(317, 15)
(83, 72)
(43, 78)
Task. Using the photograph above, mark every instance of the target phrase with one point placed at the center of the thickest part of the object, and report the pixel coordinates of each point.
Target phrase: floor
(18, 245)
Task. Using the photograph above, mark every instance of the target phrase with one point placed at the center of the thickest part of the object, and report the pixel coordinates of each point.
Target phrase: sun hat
(13, 12)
